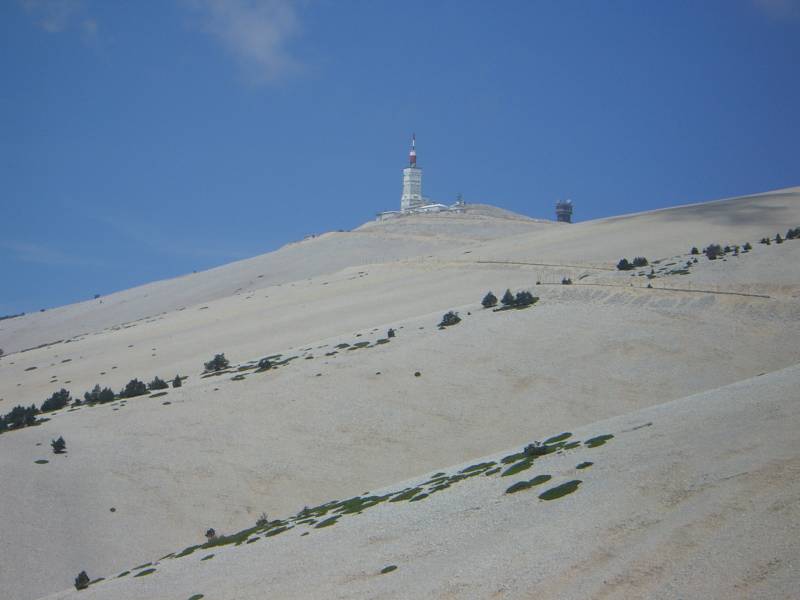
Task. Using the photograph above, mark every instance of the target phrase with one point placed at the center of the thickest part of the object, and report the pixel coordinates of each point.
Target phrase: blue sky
(143, 140)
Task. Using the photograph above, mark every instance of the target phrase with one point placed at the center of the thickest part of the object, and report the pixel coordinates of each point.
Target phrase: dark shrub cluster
(450, 318)
(98, 395)
(82, 581)
(625, 265)
(793, 234)
(59, 445)
(177, 381)
(490, 300)
(695, 250)
(218, 363)
(19, 416)
(133, 388)
(509, 300)
(566, 281)
(158, 384)
(57, 401)
(713, 251)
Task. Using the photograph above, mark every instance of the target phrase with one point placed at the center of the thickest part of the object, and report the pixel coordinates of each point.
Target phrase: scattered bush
(624, 265)
(747, 247)
(640, 261)
(20, 416)
(695, 250)
(57, 401)
(390, 333)
(566, 281)
(790, 235)
(158, 384)
(489, 300)
(59, 445)
(98, 395)
(507, 299)
(765, 241)
(218, 363)
(450, 318)
(262, 520)
(525, 298)
(133, 388)
(177, 381)
(264, 364)
(535, 449)
(211, 535)
(82, 581)
(713, 251)
(778, 239)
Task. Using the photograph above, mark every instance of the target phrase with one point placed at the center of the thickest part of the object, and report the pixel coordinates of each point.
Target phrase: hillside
(342, 410)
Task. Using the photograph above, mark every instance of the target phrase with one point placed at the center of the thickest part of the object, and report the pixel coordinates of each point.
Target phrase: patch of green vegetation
(406, 494)
(328, 522)
(524, 485)
(188, 551)
(584, 465)
(123, 574)
(381, 341)
(512, 458)
(492, 471)
(196, 597)
(251, 540)
(342, 346)
(558, 438)
(518, 467)
(41, 461)
(239, 377)
(98, 580)
(478, 467)
(276, 531)
(145, 572)
(388, 569)
(208, 557)
(142, 566)
(156, 395)
(358, 504)
(419, 497)
(598, 441)
(560, 490)
(570, 446)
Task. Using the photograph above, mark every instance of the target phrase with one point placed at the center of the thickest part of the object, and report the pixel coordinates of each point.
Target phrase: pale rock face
(695, 378)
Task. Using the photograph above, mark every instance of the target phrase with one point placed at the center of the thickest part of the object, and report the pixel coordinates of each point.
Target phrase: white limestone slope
(221, 450)
(695, 498)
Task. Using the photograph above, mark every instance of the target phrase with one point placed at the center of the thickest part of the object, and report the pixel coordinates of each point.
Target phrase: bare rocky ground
(598, 356)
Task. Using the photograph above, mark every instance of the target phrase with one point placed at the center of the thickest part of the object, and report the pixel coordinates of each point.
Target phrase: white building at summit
(412, 201)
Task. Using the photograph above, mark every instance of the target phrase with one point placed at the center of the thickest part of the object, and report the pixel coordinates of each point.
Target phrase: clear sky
(144, 140)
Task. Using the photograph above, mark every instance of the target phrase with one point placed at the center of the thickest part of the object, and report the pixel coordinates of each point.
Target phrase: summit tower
(412, 181)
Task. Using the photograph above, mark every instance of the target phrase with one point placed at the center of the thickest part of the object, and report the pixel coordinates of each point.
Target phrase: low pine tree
(177, 381)
(507, 299)
(82, 581)
(489, 300)
(59, 445)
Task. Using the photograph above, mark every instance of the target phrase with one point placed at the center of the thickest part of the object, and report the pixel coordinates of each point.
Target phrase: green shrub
(82, 581)
(158, 384)
(218, 363)
(778, 239)
(21, 416)
(695, 250)
(489, 300)
(525, 298)
(57, 401)
(624, 265)
(133, 388)
(97, 395)
(450, 318)
(507, 299)
(713, 251)
(177, 381)
(59, 445)
(566, 281)
(640, 261)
